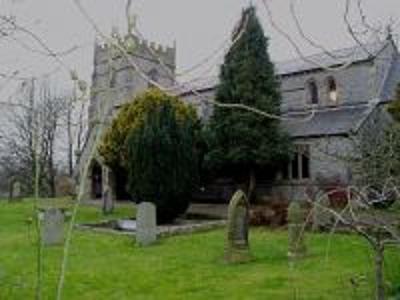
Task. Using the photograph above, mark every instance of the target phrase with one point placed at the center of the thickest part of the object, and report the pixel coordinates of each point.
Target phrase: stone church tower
(119, 73)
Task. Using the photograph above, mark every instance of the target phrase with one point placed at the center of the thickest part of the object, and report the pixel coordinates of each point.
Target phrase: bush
(162, 160)
(272, 214)
(113, 147)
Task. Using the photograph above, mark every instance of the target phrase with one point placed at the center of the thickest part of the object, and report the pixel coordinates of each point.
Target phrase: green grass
(111, 267)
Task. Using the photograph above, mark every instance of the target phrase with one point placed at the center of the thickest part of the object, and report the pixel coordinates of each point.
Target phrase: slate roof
(288, 67)
(335, 57)
(328, 122)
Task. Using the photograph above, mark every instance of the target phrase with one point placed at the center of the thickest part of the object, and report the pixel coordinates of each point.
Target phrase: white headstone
(52, 227)
(146, 224)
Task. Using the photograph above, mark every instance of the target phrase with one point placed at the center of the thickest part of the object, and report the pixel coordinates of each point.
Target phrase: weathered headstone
(146, 224)
(16, 191)
(297, 246)
(52, 227)
(108, 203)
(237, 243)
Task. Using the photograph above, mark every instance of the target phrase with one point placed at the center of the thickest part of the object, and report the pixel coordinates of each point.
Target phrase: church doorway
(97, 181)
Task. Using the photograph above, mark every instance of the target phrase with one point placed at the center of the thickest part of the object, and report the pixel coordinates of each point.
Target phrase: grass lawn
(111, 267)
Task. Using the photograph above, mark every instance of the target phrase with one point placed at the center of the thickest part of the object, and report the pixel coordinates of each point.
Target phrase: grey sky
(197, 26)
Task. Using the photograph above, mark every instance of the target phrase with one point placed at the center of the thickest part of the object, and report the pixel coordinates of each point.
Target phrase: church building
(328, 100)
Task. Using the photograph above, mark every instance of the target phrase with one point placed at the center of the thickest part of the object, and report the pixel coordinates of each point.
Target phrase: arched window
(332, 89)
(313, 92)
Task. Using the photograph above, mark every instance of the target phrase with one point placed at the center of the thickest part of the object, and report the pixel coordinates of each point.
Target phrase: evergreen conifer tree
(162, 160)
(242, 142)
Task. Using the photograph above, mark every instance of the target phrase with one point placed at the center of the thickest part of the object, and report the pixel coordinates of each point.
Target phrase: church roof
(310, 63)
(332, 58)
(330, 121)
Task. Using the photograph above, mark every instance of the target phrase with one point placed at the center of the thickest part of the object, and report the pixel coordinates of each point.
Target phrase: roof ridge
(320, 53)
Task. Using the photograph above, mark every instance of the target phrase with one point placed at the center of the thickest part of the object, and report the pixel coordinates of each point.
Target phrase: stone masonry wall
(326, 165)
(354, 84)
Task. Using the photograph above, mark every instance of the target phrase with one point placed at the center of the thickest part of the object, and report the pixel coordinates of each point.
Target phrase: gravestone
(296, 230)
(16, 191)
(108, 204)
(52, 227)
(237, 243)
(146, 224)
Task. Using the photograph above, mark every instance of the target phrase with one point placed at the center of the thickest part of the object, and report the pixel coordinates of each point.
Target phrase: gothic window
(295, 166)
(305, 165)
(299, 167)
(312, 89)
(332, 89)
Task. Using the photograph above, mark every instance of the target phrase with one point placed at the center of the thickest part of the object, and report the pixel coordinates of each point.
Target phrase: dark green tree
(162, 160)
(239, 140)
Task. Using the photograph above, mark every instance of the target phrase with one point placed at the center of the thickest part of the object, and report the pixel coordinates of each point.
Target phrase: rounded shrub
(161, 156)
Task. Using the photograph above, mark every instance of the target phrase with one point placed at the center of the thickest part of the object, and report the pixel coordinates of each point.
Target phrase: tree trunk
(379, 276)
(107, 193)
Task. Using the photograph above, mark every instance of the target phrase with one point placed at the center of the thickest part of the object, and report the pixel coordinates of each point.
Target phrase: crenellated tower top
(133, 46)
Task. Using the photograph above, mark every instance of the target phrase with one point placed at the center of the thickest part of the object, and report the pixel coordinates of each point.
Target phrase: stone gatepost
(108, 195)
(237, 241)
(296, 230)
(52, 227)
(146, 224)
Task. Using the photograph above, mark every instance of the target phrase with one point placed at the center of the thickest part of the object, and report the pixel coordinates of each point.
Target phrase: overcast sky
(198, 27)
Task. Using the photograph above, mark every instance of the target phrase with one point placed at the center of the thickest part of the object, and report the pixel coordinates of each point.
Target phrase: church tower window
(313, 92)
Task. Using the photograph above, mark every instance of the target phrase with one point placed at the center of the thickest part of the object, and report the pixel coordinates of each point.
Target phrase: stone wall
(115, 82)
(393, 77)
(386, 65)
(204, 108)
(327, 165)
(115, 79)
(354, 85)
